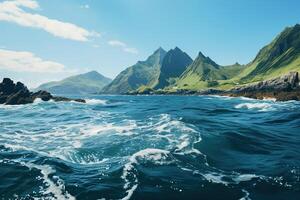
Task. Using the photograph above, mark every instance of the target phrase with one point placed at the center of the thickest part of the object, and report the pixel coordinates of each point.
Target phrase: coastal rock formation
(15, 94)
(282, 89)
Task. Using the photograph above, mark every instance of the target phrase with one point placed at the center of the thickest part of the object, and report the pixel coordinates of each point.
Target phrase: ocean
(151, 147)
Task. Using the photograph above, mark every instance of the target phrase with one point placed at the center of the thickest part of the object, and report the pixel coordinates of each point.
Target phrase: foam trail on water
(56, 189)
(155, 156)
(246, 197)
(257, 106)
(96, 101)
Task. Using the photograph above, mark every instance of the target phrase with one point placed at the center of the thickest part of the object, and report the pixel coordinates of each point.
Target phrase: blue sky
(44, 40)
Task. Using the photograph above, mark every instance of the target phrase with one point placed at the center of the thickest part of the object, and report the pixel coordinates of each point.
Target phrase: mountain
(276, 59)
(204, 72)
(142, 73)
(177, 71)
(87, 83)
(279, 57)
(173, 65)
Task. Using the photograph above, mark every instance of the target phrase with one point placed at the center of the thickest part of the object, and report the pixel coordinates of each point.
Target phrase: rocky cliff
(281, 88)
(15, 94)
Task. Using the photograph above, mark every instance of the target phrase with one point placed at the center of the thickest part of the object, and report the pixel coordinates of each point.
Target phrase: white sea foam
(245, 177)
(215, 178)
(221, 97)
(155, 156)
(269, 99)
(246, 197)
(89, 159)
(56, 189)
(257, 106)
(220, 177)
(125, 129)
(166, 124)
(246, 98)
(96, 101)
(37, 101)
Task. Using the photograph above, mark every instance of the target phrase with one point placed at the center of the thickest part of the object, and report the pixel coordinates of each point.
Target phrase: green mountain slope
(142, 73)
(87, 83)
(204, 72)
(174, 64)
(279, 57)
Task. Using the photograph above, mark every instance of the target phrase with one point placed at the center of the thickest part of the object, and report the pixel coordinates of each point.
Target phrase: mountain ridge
(87, 83)
(279, 57)
(174, 64)
(142, 73)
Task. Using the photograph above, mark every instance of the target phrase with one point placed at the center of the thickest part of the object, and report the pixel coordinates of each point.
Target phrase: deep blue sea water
(151, 147)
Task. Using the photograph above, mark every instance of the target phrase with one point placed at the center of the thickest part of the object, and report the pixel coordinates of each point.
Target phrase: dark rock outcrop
(285, 83)
(15, 94)
(282, 88)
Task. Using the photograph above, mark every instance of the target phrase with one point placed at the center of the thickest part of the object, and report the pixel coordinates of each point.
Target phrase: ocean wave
(246, 197)
(96, 101)
(154, 156)
(50, 189)
(181, 136)
(37, 101)
(227, 179)
(221, 97)
(125, 129)
(257, 106)
(166, 124)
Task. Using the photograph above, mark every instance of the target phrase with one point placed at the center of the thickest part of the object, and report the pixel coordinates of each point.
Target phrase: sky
(42, 40)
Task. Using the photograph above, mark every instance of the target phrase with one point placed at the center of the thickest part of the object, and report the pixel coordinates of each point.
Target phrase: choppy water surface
(151, 147)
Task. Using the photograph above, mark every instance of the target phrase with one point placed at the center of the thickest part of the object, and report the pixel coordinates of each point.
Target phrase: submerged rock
(15, 94)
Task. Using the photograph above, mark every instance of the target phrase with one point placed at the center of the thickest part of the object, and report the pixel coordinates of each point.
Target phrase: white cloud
(12, 11)
(23, 61)
(123, 46)
(116, 43)
(131, 50)
(86, 6)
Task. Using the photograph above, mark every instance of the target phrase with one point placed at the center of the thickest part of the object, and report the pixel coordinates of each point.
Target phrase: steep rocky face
(174, 64)
(287, 83)
(15, 94)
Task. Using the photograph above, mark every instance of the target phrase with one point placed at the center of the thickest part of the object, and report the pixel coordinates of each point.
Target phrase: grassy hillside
(205, 73)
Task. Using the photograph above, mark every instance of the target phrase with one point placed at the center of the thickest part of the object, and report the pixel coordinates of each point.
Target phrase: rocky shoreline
(16, 94)
(284, 88)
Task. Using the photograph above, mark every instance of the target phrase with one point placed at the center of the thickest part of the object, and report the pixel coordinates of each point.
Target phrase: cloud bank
(12, 11)
(23, 61)
(123, 46)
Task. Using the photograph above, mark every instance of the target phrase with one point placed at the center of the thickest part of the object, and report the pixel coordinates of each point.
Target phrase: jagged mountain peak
(201, 55)
(173, 65)
(160, 50)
